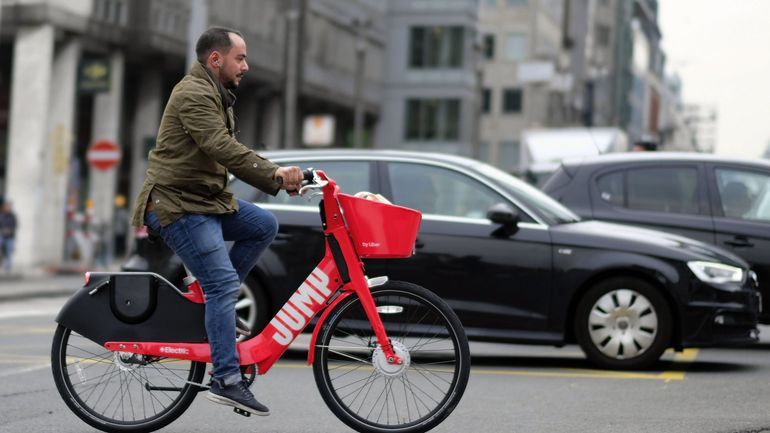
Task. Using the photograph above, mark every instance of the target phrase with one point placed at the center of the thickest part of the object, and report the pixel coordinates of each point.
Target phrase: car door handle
(739, 242)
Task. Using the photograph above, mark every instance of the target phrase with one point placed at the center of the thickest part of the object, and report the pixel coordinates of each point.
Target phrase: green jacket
(188, 168)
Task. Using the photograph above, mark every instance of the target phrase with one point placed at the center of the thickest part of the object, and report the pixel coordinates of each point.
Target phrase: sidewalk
(17, 287)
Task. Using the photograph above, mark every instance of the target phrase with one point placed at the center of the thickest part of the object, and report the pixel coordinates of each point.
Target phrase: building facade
(76, 72)
(430, 92)
(467, 77)
(567, 63)
(524, 74)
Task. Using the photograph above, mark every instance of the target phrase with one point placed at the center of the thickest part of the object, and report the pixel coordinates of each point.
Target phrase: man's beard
(231, 85)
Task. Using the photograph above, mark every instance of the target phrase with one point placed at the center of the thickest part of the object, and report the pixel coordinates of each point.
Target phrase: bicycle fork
(351, 271)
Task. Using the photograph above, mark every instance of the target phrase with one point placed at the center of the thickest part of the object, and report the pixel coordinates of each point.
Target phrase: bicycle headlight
(716, 273)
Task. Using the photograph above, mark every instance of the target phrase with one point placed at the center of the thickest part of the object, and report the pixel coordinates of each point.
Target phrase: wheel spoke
(243, 304)
(116, 390)
(380, 394)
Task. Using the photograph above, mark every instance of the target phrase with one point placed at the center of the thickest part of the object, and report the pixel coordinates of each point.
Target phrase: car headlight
(716, 273)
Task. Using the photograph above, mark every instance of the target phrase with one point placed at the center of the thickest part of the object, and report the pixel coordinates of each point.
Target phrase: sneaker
(238, 396)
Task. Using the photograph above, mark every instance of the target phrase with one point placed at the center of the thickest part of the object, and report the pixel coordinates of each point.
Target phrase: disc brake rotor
(381, 364)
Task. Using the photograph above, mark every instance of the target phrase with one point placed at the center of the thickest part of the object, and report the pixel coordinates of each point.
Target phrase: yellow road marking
(684, 357)
(586, 374)
(687, 355)
(665, 376)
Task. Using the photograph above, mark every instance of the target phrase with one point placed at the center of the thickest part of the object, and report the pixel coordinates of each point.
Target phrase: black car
(514, 264)
(721, 201)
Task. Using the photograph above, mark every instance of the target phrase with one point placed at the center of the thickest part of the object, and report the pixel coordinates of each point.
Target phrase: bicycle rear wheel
(120, 391)
(370, 395)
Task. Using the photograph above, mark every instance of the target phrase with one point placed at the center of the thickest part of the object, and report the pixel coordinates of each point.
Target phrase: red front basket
(380, 230)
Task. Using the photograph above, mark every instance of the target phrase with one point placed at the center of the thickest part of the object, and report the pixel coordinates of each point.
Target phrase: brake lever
(319, 184)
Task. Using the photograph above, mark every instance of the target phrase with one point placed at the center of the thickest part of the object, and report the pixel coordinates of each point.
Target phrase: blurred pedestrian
(120, 226)
(7, 234)
(645, 144)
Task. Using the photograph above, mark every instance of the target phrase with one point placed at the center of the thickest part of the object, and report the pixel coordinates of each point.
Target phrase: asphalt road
(512, 389)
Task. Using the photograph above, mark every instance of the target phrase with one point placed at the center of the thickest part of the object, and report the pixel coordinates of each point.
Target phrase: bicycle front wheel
(371, 395)
(121, 391)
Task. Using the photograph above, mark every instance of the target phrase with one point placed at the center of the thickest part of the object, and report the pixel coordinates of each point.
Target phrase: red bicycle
(130, 350)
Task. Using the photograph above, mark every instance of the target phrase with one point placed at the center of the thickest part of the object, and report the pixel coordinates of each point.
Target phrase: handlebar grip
(307, 176)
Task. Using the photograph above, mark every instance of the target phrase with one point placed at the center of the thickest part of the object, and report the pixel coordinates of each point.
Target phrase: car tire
(623, 323)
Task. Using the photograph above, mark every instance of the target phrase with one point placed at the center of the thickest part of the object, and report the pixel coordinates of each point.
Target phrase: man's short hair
(214, 39)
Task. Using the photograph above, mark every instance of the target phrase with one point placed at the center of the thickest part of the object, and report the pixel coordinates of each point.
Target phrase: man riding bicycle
(186, 200)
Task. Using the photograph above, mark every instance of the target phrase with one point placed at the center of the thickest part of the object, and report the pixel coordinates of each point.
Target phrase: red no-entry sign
(103, 155)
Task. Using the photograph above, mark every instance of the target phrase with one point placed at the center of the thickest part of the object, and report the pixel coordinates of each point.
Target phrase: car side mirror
(508, 218)
(501, 213)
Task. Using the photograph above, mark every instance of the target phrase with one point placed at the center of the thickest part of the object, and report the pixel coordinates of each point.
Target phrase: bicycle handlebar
(307, 176)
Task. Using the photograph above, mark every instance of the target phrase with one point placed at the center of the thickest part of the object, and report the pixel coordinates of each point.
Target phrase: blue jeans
(8, 244)
(199, 240)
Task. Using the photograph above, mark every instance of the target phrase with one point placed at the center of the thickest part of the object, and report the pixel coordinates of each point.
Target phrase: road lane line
(24, 370)
(29, 313)
(573, 373)
(586, 374)
(26, 330)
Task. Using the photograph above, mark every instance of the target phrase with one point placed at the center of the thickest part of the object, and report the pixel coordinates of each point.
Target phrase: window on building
(602, 35)
(436, 47)
(111, 11)
(489, 46)
(491, 3)
(486, 100)
(516, 2)
(516, 46)
(432, 119)
(512, 100)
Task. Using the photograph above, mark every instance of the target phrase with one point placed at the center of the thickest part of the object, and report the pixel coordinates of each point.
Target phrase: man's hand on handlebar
(290, 178)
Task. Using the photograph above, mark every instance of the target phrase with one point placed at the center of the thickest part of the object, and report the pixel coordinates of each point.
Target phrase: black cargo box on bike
(133, 306)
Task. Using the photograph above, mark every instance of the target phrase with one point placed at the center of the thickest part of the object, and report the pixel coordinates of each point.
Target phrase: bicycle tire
(352, 375)
(116, 392)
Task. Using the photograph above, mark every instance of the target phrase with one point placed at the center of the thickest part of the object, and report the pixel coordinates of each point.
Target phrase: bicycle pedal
(241, 412)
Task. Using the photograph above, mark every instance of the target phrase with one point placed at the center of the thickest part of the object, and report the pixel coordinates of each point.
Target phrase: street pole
(199, 14)
(478, 55)
(292, 70)
(359, 26)
(476, 145)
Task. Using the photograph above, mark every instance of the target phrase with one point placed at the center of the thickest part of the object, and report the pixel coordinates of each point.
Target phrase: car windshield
(537, 201)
